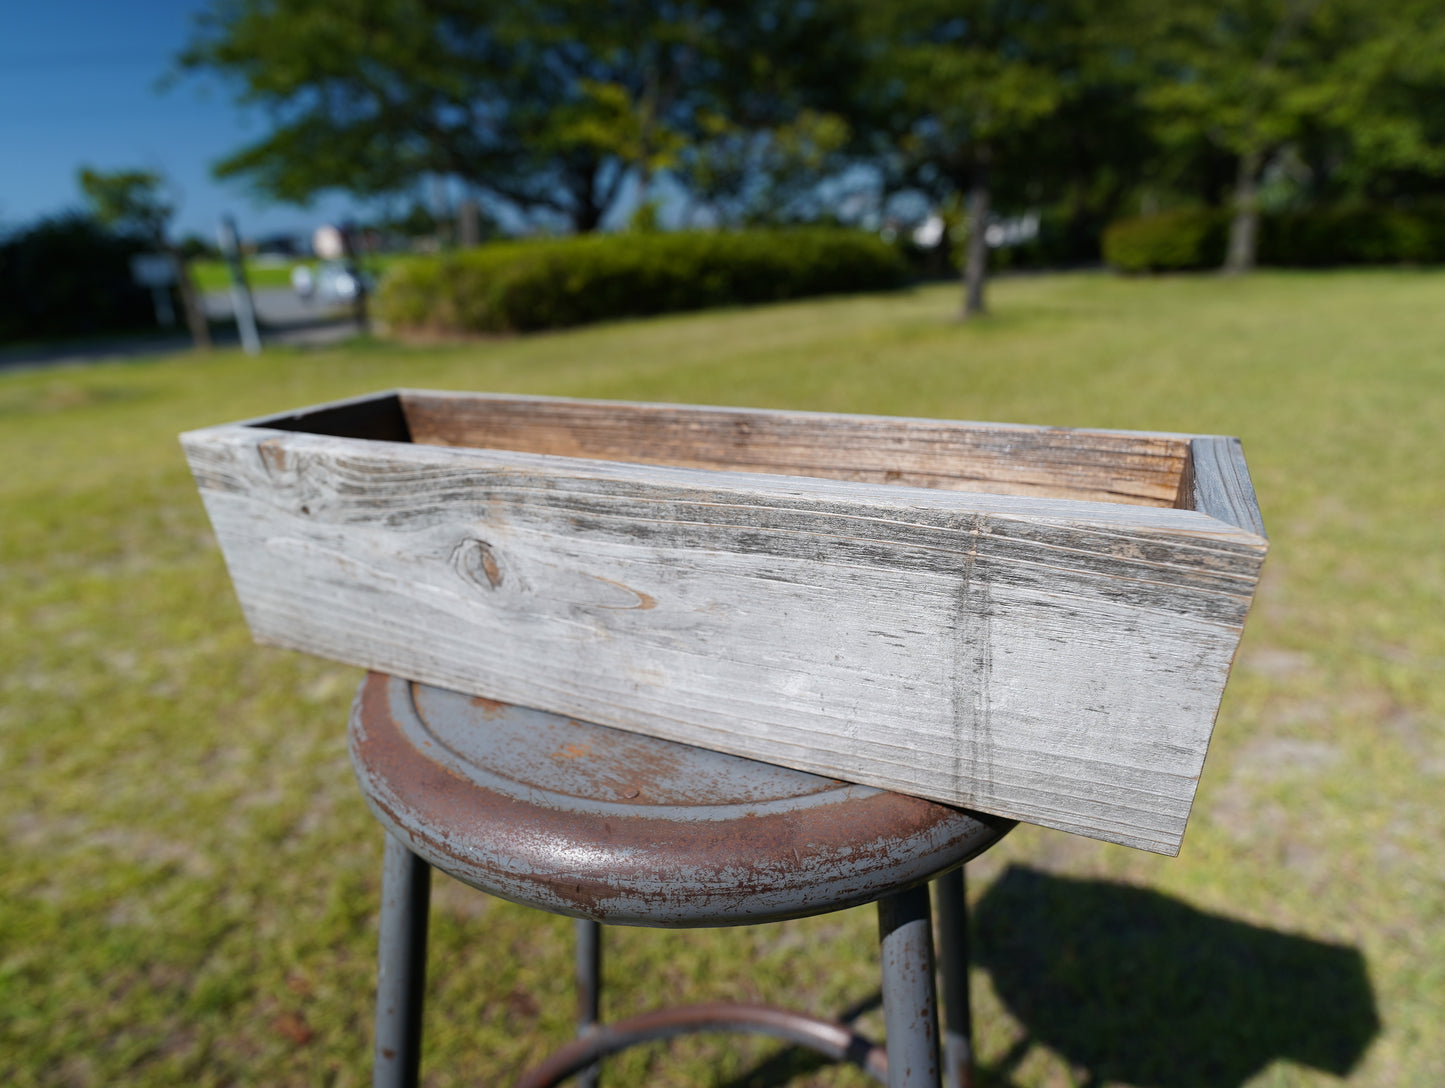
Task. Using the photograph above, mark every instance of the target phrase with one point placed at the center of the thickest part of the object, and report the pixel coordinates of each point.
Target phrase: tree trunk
(1244, 227)
(644, 216)
(586, 217)
(644, 156)
(975, 265)
(588, 205)
(191, 302)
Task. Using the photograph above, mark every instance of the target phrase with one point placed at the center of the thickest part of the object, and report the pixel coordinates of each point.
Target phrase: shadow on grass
(1130, 985)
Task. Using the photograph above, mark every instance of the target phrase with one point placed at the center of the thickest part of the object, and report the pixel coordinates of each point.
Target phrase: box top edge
(404, 391)
(1177, 436)
(1113, 515)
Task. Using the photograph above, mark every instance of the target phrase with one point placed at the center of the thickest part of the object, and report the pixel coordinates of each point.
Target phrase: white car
(332, 282)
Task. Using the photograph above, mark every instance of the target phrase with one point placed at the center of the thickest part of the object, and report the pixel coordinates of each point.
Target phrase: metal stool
(609, 826)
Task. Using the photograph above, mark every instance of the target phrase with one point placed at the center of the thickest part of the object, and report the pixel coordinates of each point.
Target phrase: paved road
(283, 317)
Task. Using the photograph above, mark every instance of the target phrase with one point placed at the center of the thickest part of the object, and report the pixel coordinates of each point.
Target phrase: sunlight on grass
(190, 876)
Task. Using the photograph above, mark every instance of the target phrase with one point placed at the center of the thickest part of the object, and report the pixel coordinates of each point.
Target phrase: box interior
(1132, 468)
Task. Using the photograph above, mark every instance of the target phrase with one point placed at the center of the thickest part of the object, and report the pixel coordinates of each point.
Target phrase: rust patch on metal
(572, 751)
(489, 707)
(656, 865)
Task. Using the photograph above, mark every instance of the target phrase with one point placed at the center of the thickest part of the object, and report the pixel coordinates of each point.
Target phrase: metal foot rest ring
(830, 1039)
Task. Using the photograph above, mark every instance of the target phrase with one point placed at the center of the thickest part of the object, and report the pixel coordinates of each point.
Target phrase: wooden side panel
(1100, 466)
(1057, 662)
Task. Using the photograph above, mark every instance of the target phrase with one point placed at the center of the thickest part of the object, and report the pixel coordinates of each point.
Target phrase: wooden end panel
(1134, 469)
(1220, 486)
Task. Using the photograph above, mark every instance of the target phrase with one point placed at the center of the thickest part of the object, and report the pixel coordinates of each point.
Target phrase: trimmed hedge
(1169, 241)
(1314, 238)
(524, 286)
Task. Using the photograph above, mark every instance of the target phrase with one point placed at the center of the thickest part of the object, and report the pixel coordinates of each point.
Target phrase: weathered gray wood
(1054, 660)
(1221, 484)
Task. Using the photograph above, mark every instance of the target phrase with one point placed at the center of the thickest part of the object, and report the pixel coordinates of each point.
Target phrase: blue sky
(78, 87)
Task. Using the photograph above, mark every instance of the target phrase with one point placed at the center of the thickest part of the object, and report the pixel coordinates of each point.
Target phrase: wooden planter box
(1029, 621)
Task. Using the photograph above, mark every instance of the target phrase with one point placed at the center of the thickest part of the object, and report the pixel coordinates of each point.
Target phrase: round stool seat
(582, 819)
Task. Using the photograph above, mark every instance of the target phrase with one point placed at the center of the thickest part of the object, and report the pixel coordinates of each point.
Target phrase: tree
(68, 276)
(766, 175)
(1257, 79)
(783, 120)
(138, 201)
(1383, 128)
(548, 106)
(959, 88)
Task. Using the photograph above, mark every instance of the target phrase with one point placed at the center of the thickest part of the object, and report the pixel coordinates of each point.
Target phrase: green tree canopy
(549, 106)
(961, 91)
(134, 201)
(1336, 81)
(563, 109)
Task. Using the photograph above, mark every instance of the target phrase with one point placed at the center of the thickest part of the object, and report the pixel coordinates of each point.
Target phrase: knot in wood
(475, 561)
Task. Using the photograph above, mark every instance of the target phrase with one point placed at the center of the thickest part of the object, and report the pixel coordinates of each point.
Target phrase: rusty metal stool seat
(612, 827)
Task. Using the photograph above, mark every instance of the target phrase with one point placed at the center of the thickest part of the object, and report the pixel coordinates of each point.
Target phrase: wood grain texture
(1053, 660)
(1221, 484)
(1104, 466)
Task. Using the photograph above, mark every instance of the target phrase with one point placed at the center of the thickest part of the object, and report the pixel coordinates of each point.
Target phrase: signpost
(158, 272)
(240, 289)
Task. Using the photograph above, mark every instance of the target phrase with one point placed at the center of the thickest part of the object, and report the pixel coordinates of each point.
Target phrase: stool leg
(953, 959)
(910, 1006)
(589, 991)
(401, 972)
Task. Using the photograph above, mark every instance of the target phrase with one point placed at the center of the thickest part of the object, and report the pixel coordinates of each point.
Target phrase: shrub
(1354, 235)
(1310, 238)
(69, 276)
(524, 286)
(1173, 240)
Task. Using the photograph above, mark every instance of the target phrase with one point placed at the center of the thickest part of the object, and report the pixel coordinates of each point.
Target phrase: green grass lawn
(189, 877)
(214, 275)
